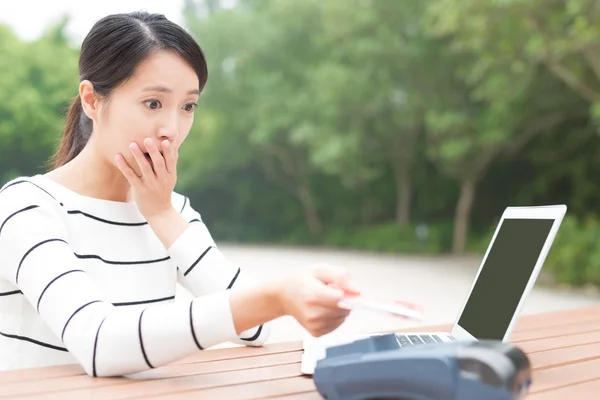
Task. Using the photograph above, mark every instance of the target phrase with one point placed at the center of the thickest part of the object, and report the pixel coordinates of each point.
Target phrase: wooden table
(564, 348)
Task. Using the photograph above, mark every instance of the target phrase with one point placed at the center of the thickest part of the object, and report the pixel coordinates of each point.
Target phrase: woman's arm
(202, 269)
(109, 341)
(168, 226)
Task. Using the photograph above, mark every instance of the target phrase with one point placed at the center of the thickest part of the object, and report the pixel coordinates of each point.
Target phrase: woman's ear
(89, 101)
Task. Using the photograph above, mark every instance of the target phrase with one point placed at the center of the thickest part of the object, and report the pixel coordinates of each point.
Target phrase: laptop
(508, 272)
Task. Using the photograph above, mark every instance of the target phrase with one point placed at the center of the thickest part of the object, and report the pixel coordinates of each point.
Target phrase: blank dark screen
(504, 276)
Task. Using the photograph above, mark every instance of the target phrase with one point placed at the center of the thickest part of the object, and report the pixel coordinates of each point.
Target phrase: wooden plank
(565, 375)
(587, 390)
(241, 352)
(549, 320)
(33, 374)
(208, 355)
(555, 331)
(567, 316)
(173, 386)
(313, 395)
(544, 344)
(266, 360)
(171, 371)
(56, 385)
(276, 388)
(563, 356)
(550, 325)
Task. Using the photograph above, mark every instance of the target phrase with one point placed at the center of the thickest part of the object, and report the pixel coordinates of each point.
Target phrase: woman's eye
(153, 104)
(190, 107)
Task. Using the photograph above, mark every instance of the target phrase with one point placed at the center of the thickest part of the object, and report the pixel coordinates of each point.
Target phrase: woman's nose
(169, 135)
(169, 130)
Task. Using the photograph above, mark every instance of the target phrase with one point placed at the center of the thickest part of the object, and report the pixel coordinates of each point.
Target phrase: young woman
(90, 253)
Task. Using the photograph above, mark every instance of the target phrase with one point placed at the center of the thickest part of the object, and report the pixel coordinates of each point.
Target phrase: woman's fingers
(327, 296)
(158, 162)
(140, 158)
(335, 277)
(162, 161)
(130, 175)
(170, 157)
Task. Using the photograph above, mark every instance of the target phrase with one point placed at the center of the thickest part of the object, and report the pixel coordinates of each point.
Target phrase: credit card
(398, 308)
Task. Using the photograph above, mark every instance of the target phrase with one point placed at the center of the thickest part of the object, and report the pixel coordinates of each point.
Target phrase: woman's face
(157, 102)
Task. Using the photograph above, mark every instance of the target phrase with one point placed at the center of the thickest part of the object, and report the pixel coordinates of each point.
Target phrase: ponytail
(76, 134)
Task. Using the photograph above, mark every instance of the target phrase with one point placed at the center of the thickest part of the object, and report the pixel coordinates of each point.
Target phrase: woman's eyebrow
(167, 90)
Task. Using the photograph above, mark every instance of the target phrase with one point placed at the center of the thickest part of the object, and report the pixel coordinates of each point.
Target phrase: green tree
(366, 94)
(470, 123)
(37, 81)
(517, 36)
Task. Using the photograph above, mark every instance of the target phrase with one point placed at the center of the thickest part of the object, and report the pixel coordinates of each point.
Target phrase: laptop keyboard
(415, 340)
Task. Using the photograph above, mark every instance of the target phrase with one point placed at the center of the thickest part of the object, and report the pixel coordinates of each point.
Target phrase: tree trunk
(403, 196)
(310, 211)
(462, 216)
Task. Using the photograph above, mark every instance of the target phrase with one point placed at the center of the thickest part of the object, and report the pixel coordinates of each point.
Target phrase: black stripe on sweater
(185, 200)
(142, 341)
(11, 293)
(256, 335)
(96, 348)
(94, 256)
(30, 250)
(135, 303)
(234, 278)
(19, 182)
(15, 213)
(197, 261)
(106, 221)
(51, 282)
(72, 315)
(192, 326)
(30, 340)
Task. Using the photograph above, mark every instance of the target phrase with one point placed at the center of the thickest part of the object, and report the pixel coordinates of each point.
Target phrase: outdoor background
(380, 125)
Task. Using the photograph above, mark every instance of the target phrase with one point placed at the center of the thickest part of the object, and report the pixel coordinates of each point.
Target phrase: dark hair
(110, 53)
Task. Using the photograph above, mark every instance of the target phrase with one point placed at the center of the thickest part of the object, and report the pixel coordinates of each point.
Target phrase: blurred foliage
(389, 238)
(381, 125)
(37, 81)
(575, 257)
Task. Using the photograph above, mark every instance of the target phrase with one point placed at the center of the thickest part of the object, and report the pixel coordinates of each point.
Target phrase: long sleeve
(36, 257)
(204, 270)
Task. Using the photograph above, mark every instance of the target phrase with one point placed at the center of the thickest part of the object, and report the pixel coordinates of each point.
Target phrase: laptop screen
(504, 276)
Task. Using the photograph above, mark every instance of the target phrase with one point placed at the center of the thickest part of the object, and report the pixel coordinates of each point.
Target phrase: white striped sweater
(84, 280)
